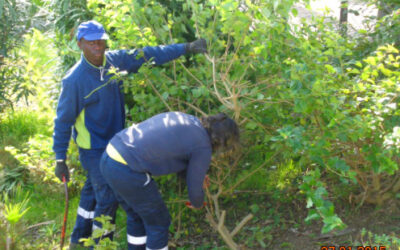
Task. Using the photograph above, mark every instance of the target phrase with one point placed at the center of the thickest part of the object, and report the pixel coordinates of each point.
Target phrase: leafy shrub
(296, 91)
(17, 19)
(304, 97)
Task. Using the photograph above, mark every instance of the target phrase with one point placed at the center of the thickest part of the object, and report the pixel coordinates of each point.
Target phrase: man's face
(93, 50)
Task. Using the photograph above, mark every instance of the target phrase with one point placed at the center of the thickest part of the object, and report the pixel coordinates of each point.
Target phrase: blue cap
(91, 30)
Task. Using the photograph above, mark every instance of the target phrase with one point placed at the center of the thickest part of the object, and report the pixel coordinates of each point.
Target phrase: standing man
(91, 106)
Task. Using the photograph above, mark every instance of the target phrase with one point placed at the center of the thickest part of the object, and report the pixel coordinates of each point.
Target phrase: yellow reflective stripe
(113, 153)
(83, 138)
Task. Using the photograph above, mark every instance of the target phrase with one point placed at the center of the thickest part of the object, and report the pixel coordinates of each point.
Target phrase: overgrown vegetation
(318, 113)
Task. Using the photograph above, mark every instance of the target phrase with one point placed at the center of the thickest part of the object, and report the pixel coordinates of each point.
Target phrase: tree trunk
(343, 17)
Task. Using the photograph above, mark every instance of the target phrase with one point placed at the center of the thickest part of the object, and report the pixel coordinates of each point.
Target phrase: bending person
(167, 143)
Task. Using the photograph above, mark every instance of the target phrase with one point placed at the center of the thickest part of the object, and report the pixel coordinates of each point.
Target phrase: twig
(192, 106)
(224, 232)
(40, 224)
(195, 20)
(190, 73)
(336, 233)
(241, 224)
(227, 104)
(158, 94)
(221, 219)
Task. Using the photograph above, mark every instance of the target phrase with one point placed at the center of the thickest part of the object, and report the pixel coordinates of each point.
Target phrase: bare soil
(289, 231)
(368, 218)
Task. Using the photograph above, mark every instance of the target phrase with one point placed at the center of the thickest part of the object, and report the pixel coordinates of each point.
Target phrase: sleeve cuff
(61, 156)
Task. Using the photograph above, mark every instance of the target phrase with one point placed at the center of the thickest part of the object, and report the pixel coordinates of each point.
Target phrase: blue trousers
(147, 215)
(96, 199)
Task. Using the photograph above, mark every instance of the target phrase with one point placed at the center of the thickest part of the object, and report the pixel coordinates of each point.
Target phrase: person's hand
(198, 46)
(61, 170)
(189, 205)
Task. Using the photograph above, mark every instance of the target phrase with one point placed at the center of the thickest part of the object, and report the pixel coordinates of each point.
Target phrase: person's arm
(132, 60)
(67, 110)
(196, 172)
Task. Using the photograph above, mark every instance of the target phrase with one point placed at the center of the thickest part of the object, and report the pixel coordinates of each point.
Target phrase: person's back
(163, 144)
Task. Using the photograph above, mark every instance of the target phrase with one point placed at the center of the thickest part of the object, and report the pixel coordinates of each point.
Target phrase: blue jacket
(168, 143)
(92, 103)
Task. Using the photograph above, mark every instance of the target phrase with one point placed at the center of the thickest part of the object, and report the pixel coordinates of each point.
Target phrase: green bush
(297, 93)
(316, 109)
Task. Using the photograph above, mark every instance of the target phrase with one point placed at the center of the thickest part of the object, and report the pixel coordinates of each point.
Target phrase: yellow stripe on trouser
(113, 153)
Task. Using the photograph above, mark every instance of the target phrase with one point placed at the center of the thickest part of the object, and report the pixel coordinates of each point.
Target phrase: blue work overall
(147, 215)
(96, 198)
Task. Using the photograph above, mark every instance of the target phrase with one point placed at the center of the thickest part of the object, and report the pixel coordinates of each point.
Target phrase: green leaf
(294, 12)
(254, 208)
(309, 202)
(251, 125)
(332, 222)
(312, 215)
(339, 164)
(331, 70)
(265, 12)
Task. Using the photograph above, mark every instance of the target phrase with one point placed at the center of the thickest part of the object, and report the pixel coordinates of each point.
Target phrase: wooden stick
(40, 224)
(241, 224)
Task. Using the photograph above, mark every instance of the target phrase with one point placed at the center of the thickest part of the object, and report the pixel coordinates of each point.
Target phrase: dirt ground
(292, 233)
(379, 221)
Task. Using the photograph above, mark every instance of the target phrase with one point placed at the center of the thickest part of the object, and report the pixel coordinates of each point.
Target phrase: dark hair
(223, 131)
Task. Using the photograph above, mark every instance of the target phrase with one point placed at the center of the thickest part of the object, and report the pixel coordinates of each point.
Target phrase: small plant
(11, 178)
(97, 235)
(391, 242)
(320, 207)
(14, 209)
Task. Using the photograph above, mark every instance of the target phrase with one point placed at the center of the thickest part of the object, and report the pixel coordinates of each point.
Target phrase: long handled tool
(65, 213)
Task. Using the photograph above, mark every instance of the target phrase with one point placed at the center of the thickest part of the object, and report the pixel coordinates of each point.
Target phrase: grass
(41, 225)
(17, 126)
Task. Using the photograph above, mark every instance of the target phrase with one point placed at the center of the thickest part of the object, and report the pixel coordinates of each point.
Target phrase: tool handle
(65, 212)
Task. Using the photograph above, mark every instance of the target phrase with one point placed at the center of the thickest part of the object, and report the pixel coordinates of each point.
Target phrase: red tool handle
(65, 212)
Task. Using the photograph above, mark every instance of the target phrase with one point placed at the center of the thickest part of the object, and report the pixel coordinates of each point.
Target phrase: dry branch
(241, 224)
